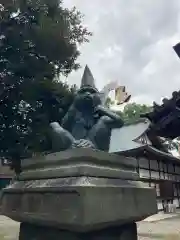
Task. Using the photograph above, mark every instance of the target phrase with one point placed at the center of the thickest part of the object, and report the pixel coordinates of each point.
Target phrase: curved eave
(168, 106)
(166, 123)
(153, 152)
(168, 127)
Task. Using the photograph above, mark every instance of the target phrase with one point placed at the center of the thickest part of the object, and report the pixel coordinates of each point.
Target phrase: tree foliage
(38, 43)
(109, 102)
(132, 112)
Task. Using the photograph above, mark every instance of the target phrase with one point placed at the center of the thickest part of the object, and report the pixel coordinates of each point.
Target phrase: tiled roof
(165, 118)
(167, 157)
(167, 106)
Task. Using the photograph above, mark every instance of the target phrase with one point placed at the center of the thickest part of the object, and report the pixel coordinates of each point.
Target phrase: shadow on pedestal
(32, 232)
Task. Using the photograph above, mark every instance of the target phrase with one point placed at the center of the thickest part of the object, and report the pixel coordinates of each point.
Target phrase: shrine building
(157, 167)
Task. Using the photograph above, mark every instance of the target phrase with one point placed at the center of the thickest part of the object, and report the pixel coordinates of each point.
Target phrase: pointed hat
(87, 81)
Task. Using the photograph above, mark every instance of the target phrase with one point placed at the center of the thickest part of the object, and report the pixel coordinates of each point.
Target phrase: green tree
(133, 111)
(109, 102)
(38, 43)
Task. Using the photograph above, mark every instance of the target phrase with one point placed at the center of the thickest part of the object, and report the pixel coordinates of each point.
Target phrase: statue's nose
(88, 95)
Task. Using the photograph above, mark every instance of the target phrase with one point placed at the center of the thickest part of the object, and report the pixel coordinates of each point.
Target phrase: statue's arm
(109, 117)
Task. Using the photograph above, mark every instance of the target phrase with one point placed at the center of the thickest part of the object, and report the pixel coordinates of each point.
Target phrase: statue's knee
(55, 125)
(102, 121)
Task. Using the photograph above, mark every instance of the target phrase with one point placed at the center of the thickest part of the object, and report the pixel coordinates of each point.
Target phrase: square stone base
(31, 232)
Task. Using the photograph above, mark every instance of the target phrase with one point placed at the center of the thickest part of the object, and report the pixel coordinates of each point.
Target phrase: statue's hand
(109, 117)
(82, 143)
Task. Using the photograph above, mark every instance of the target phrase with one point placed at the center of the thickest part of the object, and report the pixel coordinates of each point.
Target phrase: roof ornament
(177, 49)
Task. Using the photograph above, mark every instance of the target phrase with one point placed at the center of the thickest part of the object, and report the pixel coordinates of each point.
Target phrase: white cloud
(132, 42)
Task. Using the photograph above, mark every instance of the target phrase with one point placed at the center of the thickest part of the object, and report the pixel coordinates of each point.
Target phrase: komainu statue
(88, 123)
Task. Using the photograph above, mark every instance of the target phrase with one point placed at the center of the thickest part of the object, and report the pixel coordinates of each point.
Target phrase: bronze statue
(87, 123)
(60, 195)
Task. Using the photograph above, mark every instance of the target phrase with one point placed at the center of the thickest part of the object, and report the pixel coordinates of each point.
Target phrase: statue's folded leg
(100, 135)
(61, 138)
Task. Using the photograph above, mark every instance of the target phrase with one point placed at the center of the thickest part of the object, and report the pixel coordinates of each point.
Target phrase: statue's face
(87, 100)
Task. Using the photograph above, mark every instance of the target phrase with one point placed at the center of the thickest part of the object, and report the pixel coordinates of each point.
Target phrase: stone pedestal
(32, 232)
(78, 194)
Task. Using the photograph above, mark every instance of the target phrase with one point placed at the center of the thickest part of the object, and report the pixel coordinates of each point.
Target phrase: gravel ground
(168, 229)
(8, 229)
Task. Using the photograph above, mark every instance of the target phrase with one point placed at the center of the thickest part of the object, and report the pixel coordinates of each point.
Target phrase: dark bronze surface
(87, 124)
